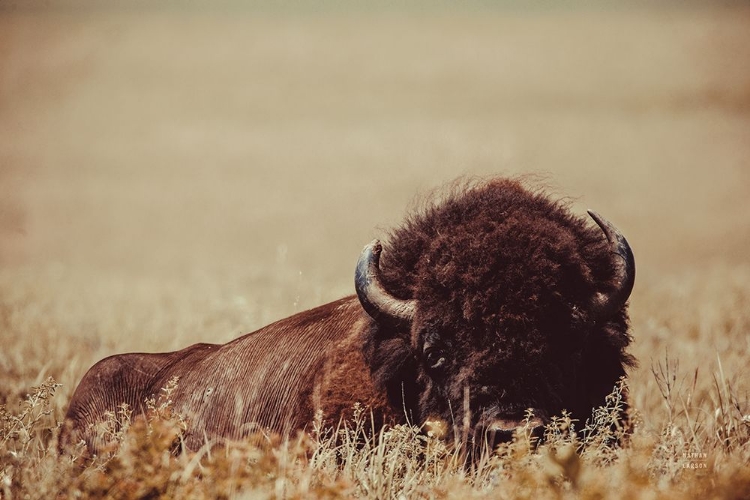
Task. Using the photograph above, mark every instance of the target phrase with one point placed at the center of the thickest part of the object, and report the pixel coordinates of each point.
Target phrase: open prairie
(181, 174)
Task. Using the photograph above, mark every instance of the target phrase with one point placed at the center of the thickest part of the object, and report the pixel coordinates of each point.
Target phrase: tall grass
(689, 434)
(689, 402)
(700, 451)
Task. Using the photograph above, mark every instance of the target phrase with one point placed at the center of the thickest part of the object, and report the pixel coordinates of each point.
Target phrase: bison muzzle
(484, 305)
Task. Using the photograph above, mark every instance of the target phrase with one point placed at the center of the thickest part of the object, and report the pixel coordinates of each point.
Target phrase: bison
(487, 302)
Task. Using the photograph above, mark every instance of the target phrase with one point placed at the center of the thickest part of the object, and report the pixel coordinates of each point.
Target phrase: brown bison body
(490, 302)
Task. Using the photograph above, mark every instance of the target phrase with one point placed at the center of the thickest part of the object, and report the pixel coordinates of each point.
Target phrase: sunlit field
(182, 174)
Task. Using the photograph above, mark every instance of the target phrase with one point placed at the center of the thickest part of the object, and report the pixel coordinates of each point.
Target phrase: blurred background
(180, 171)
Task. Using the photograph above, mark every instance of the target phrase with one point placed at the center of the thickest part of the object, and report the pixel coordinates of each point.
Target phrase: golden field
(181, 173)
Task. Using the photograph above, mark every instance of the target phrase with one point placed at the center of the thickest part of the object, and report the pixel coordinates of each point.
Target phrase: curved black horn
(375, 299)
(607, 304)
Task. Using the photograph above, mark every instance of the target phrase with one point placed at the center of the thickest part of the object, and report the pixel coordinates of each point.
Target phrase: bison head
(495, 301)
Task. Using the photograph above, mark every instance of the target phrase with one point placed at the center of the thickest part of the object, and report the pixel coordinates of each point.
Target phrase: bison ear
(393, 366)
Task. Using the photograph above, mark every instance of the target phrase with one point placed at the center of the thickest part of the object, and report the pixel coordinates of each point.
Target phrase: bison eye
(434, 358)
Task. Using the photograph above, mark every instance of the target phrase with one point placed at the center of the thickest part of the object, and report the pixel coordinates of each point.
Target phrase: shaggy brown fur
(503, 280)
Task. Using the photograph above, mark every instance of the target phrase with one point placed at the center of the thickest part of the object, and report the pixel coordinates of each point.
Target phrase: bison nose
(501, 430)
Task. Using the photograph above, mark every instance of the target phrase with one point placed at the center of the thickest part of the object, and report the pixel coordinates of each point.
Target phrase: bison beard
(486, 303)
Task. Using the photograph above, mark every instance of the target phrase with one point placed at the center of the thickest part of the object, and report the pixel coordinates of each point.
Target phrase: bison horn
(375, 299)
(607, 304)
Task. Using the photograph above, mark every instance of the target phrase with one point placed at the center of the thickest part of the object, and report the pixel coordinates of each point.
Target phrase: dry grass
(171, 176)
(686, 458)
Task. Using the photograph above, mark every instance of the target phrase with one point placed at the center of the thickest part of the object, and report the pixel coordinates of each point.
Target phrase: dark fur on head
(504, 278)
